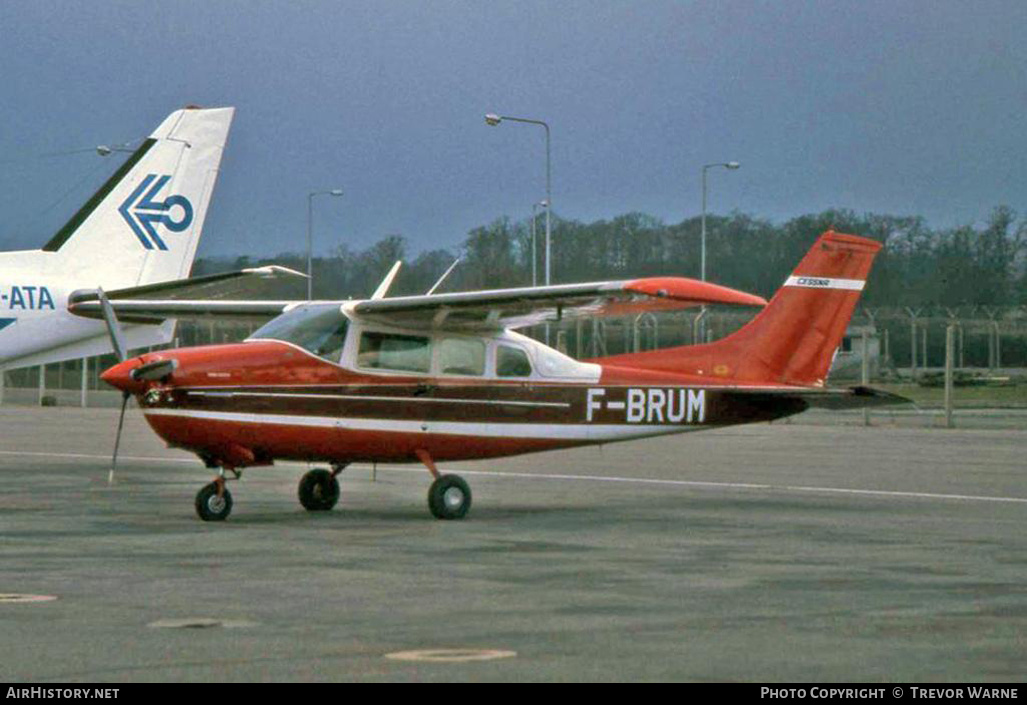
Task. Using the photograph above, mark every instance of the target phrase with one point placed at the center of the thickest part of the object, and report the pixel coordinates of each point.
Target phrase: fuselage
(380, 394)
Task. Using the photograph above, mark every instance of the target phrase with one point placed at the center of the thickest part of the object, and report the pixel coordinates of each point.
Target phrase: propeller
(118, 341)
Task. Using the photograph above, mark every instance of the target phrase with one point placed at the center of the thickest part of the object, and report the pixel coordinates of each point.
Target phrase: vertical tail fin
(793, 339)
(144, 223)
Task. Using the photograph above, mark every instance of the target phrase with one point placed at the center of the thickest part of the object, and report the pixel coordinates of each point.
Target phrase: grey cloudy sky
(894, 106)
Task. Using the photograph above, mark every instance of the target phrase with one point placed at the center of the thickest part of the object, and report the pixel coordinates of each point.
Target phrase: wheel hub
(453, 497)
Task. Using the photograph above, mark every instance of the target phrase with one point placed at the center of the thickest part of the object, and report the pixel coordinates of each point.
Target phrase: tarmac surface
(783, 552)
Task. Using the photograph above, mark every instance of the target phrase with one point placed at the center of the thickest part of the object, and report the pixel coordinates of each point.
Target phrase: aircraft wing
(226, 295)
(516, 308)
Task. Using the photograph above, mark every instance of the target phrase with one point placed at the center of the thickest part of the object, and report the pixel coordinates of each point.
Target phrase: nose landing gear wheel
(449, 497)
(210, 506)
(319, 491)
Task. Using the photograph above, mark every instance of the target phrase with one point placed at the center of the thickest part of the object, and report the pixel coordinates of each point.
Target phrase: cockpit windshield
(317, 328)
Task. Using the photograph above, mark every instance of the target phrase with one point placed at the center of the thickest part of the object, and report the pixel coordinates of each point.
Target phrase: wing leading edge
(517, 308)
(216, 295)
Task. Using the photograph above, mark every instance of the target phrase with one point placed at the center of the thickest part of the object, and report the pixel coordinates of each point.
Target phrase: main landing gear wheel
(319, 491)
(449, 497)
(212, 507)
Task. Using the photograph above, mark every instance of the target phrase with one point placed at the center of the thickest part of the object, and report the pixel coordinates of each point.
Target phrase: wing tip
(685, 289)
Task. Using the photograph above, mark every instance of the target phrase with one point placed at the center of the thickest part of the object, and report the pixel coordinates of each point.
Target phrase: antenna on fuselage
(383, 288)
(443, 277)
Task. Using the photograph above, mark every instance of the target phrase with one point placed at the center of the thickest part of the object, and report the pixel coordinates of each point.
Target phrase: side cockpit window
(460, 356)
(329, 344)
(389, 351)
(512, 362)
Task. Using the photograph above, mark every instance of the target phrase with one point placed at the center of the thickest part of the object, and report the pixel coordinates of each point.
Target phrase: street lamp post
(534, 256)
(706, 167)
(493, 119)
(310, 236)
(702, 257)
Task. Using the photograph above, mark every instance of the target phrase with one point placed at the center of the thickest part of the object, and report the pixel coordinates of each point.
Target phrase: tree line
(969, 265)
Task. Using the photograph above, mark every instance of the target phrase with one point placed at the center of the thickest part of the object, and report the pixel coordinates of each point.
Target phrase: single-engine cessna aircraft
(444, 377)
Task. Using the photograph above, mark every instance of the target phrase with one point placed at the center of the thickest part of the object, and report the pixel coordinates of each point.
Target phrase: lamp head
(492, 119)
(732, 165)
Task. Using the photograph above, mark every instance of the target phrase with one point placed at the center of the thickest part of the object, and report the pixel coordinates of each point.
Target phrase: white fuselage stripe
(358, 397)
(528, 431)
(807, 282)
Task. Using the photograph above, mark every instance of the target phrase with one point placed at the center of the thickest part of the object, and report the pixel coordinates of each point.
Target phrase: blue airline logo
(143, 212)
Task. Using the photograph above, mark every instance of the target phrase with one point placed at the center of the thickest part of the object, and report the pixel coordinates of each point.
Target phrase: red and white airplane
(444, 377)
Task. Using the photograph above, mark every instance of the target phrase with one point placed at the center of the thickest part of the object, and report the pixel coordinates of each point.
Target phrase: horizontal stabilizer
(852, 398)
(838, 398)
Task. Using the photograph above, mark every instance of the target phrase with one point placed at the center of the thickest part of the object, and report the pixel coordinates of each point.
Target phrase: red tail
(793, 340)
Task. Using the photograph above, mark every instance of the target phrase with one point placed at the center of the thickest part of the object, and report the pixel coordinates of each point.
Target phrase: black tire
(210, 507)
(449, 497)
(319, 491)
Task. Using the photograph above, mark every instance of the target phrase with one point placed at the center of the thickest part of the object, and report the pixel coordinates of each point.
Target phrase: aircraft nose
(120, 376)
(134, 375)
